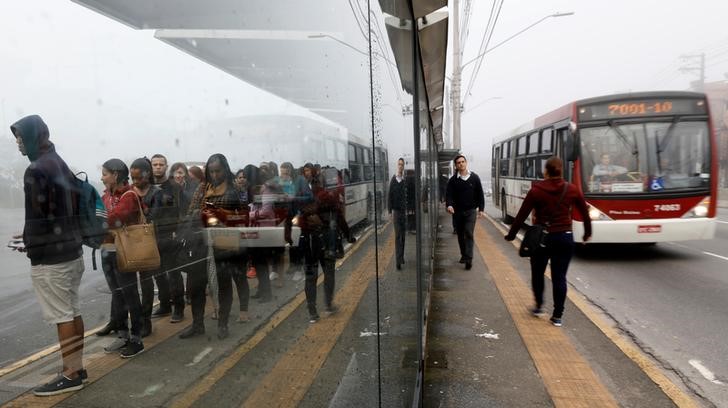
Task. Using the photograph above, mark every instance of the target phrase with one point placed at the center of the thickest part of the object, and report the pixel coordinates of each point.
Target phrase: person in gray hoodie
(52, 239)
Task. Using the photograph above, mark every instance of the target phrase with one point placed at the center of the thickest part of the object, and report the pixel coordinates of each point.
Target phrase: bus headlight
(213, 221)
(699, 211)
(596, 215)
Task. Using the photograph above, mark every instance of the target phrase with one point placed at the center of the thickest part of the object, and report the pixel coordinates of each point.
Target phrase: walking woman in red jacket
(553, 200)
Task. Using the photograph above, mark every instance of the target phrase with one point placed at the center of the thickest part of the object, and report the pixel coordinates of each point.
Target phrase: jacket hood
(34, 134)
(552, 186)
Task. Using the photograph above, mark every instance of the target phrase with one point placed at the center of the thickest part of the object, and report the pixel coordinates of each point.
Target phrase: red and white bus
(645, 162)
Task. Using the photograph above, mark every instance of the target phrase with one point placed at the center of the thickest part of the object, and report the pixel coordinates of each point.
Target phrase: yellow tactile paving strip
(568, 378)
(99, 364)
(674, 392)
(299, 367)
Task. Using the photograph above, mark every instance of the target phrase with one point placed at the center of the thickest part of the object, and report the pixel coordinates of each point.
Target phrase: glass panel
(533, 143)
(546, 140)
(303, 188)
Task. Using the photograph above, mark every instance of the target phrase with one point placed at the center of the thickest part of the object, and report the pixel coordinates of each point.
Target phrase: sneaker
(59, 385)
(556, 321)
(132, 349)
(161, 312)
(117, 345)
(313, 318)
(177, 316)
(273, 276)
(537, 311)
(298, 276)
(83, 374)
(331, 309)
(462, 260)
(468, 265)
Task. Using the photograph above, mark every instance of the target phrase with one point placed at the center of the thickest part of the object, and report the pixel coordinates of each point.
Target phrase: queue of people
(181, 203)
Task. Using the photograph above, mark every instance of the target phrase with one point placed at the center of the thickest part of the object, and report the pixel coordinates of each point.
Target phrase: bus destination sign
(639, 108)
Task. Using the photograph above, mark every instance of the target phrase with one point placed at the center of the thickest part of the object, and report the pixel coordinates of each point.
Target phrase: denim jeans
(559, 249)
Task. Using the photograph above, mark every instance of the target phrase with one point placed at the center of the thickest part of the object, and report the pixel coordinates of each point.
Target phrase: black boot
(194, 330)
(106, 330)
(178, 313)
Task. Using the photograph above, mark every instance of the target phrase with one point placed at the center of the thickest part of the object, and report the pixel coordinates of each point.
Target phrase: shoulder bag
(136, 245)
(534, 240)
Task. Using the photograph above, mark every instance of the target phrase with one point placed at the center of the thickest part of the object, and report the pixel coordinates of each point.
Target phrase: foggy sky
(119, 92)
(606, 47)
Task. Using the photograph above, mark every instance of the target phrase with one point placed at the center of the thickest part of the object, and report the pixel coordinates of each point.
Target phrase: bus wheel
(504, 215)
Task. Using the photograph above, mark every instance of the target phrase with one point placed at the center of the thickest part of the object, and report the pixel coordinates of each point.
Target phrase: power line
(480, 62)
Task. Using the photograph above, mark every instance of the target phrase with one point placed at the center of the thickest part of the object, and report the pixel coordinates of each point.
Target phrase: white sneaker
(273, 276)
(298, 276)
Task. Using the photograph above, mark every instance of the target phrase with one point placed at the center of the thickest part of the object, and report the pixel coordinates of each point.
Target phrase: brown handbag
(136, 245)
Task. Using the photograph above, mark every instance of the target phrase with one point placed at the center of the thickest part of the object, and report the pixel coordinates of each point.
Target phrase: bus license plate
(647, 229)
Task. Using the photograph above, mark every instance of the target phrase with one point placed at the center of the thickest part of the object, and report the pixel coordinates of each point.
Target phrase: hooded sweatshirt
(543, 197)
(51, 233)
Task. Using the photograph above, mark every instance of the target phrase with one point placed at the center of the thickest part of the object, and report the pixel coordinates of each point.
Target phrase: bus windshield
(646, 157)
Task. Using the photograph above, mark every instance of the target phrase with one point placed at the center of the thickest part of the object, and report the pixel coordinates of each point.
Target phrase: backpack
(92, 217)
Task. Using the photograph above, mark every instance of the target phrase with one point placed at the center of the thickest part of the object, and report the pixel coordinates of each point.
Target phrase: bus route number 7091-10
(667, 207)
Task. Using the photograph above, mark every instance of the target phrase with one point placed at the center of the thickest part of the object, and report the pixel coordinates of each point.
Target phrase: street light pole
(458, 69)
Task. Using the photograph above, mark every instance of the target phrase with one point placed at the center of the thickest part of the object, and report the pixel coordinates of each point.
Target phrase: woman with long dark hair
(220, 192)
(123, 209)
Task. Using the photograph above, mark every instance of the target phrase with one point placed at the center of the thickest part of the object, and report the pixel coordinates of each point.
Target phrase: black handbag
(534, 239)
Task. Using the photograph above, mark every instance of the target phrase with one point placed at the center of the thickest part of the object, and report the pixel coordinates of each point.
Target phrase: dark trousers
(559, 249)
(146, 281)
(400, 231)
(169, 281)
(315, 253)
(464, 226)
(240, 279)
(196, 289)
(124, 297)
(229, 265)
(259, 257)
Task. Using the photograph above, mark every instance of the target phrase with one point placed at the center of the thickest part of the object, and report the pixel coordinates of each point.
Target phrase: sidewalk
(486, 350)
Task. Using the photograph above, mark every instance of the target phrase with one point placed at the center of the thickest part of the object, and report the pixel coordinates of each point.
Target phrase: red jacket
(543, 198)
(121, 211)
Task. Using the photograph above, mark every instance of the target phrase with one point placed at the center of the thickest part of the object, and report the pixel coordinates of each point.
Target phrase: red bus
(646, 163)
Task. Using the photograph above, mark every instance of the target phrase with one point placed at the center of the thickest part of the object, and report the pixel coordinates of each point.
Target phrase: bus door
(561, 144)
(495, 174)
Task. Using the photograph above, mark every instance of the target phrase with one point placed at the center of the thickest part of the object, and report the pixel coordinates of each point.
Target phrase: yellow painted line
(298, 368)
(673, 391)
(220, 370)
(567, 376)
(100, 364)
(40, 354)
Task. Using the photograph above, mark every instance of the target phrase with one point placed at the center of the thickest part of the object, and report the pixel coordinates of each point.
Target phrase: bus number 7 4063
(667, 207)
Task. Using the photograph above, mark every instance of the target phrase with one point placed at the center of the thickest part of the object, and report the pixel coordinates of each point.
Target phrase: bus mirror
(569, 154)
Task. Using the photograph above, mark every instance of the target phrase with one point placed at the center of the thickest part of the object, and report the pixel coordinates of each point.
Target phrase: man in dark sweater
(52, 241)
(397, 203)
(168, 278)
(464, 199)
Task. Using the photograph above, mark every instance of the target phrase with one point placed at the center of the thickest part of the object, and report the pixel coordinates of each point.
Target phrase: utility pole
(698, 85)
(456, 74)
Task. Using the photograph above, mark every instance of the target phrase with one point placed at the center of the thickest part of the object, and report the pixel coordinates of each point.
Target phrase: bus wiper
(622, 137)
(668, 134)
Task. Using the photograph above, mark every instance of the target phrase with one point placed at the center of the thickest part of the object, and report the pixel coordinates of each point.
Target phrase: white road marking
(199, 356)
(494, 336)
(716, 255)
(367, 333)
(704, 371)
(721, 222)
